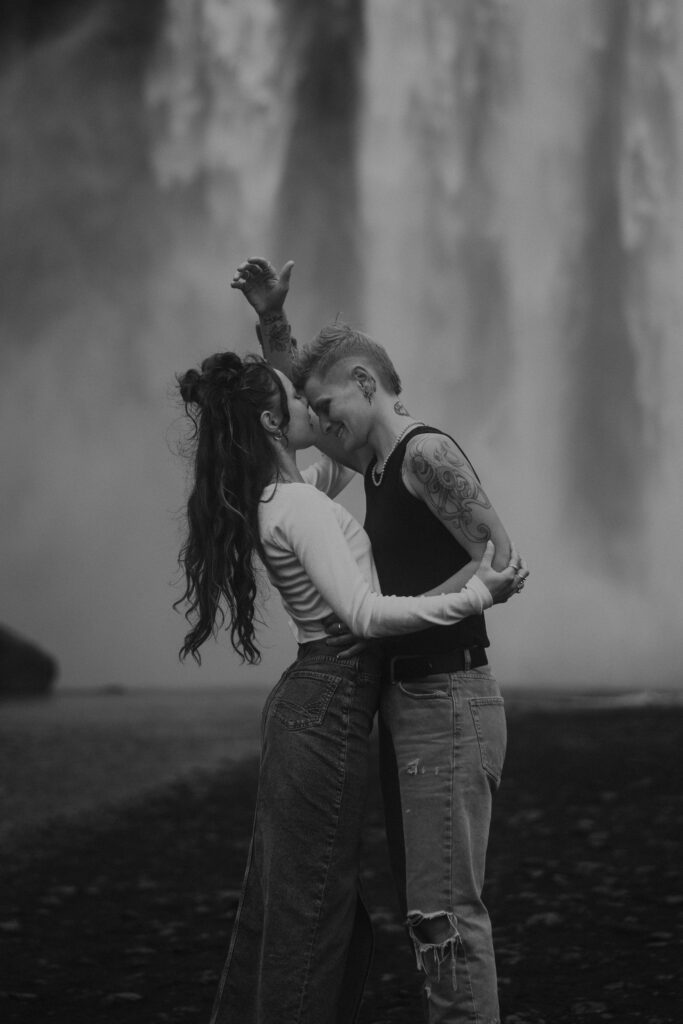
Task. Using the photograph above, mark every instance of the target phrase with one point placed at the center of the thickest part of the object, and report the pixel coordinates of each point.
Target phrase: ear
(365, 381)
(362, 375)
(269, 423)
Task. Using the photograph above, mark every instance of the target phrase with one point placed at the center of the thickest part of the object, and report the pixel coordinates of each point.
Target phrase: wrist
(480, 591)
(271, 316)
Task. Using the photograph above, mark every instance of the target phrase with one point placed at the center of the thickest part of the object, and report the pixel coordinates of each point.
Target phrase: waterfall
(317, 210)
(441, 79)
(616, 326)
(489, 188)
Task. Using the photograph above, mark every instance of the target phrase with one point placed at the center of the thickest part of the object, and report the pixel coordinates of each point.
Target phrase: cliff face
(26, 23)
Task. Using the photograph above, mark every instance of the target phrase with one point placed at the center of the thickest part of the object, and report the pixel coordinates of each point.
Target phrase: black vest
(414, 552)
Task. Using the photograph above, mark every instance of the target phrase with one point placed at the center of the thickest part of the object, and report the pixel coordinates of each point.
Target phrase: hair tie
(192, 387)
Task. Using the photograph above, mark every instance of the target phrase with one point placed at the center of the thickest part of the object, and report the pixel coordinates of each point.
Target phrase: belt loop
(468, 659)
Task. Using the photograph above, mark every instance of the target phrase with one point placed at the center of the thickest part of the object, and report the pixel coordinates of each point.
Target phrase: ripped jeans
(302, 940)
(442, 746)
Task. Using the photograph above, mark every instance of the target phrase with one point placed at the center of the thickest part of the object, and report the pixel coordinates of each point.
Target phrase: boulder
(25, 670)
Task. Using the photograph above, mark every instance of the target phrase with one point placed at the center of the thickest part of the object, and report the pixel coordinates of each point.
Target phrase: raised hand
(263, 286)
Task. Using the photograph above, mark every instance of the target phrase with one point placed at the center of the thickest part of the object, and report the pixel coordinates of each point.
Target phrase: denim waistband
(369, 660)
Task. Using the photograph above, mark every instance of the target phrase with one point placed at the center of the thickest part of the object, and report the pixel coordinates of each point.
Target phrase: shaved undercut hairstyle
(338, 341)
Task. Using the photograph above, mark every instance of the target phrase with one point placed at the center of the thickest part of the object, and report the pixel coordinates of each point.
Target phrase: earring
(367, 389)
(278, 435)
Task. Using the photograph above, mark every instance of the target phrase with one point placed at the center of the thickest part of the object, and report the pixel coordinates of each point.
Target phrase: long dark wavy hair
(233, 460)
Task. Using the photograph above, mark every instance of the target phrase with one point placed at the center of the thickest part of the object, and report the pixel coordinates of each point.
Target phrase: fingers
(516, 561)
(523, 570)
(487, 557)
(338, 641)
(338, 634)
(519, 567)
(286, 273)
(520, 578)
(242, 276)
(356, 648)
(251, 270)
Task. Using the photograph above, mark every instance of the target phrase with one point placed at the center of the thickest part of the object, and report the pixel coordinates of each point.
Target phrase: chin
(350, 443)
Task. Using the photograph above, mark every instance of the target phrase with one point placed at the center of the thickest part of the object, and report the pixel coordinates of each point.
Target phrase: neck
(287, 469)
(391, 421)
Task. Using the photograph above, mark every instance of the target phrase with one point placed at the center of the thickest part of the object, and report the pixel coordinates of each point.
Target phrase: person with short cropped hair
(442, 720)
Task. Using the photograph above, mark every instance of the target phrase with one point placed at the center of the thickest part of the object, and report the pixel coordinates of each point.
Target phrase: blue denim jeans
(442, 746)
(302, 941)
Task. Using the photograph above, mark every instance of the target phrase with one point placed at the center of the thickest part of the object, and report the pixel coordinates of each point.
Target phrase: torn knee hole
(435, 939)
(433, 929)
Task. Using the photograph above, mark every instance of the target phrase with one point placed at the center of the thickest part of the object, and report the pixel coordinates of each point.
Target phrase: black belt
(416, 666)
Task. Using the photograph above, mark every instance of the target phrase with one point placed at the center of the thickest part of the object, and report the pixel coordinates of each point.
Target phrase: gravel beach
(120, 910)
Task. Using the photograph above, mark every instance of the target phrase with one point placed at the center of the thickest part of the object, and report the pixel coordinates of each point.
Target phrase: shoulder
(435, 464)
(293, 510)
(432, 449)
(328, 475)
(298, 495)
(303, 501)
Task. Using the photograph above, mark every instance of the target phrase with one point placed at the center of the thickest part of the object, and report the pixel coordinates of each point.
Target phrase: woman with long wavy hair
(301, 941)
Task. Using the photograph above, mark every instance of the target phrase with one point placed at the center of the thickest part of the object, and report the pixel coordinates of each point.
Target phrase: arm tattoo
(400, 409)
(450, 488)
(276, 332)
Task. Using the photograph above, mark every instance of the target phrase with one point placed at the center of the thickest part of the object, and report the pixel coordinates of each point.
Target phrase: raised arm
(265, 289)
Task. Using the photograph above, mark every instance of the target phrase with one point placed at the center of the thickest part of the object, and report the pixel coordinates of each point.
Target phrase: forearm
(312, 533)
(457, 581)
(498, 534)
(274, 333)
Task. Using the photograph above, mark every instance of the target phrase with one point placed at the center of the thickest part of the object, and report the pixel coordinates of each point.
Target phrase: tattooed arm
(436, 471)
(266, 290)
(275, 337)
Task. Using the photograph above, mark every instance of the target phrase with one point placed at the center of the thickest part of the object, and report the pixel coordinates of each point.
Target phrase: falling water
(615, 329)
(488, 187)
(318, 215)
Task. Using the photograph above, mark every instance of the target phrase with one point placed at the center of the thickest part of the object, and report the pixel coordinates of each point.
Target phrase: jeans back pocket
(304, 698)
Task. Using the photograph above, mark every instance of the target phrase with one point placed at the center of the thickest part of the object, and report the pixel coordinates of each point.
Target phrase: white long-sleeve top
(320, 559)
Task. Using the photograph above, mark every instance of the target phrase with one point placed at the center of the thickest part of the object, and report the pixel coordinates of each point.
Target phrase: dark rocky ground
(124, 917)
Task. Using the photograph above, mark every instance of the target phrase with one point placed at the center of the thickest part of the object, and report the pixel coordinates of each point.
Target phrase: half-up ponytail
(233, 462)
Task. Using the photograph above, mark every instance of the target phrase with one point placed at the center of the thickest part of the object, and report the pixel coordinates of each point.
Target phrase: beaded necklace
(377, 476)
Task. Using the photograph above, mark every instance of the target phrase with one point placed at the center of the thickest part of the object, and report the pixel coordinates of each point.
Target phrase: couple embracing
(389, 620)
